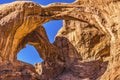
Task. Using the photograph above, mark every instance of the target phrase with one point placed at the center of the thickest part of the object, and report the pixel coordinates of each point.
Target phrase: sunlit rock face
(87, 47)
(96, 42)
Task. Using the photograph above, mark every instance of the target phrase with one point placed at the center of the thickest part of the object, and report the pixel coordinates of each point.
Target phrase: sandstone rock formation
(87, 47)
(38, 68)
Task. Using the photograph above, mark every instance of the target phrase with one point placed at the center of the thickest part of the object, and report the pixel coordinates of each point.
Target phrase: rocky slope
(87, 47)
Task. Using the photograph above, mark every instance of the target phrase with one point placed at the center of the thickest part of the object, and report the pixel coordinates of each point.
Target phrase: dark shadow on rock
(89, 70)
(67, 52)
(17, 71)
(74, 67)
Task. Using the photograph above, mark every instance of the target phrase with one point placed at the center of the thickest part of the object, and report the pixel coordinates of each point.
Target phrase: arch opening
(29, 55)
(52, 27)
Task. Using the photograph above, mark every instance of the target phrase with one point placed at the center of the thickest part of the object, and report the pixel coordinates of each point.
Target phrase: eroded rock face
(87, 47)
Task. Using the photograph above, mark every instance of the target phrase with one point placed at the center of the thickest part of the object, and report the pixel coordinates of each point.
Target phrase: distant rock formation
(38, 68)
(87, 47)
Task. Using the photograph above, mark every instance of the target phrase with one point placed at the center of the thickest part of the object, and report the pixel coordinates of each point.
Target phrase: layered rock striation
(87, 47)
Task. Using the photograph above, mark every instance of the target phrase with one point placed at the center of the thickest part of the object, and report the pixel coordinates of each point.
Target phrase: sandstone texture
(87, 47)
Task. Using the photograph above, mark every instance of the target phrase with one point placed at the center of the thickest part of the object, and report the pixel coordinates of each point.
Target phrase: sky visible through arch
(30, 54)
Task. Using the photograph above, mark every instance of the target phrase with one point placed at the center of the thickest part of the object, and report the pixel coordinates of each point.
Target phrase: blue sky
(30, 54)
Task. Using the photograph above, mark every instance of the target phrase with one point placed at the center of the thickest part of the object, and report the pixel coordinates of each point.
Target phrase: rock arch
(21, 23)
(22, 28)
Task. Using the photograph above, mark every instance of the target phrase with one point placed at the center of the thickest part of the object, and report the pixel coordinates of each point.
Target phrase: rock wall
(87, 47)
